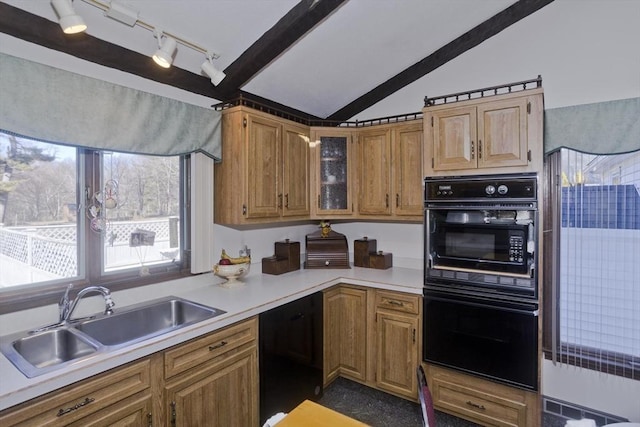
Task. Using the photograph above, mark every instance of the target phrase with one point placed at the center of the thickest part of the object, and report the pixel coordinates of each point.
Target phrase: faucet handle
(65, 298)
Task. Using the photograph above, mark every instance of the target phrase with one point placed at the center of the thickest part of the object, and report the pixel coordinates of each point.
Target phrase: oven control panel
(516, 249)
(502, 187)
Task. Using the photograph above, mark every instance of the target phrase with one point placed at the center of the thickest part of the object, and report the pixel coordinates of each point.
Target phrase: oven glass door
(486, 247)
(494, 339)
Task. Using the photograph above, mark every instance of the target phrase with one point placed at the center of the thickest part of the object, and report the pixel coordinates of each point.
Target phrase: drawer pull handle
(213, 347)
(475, 405)
(398, 303)
(85, 402)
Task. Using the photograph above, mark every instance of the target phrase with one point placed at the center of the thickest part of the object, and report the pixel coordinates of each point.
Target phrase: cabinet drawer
(480, 400)
(215, 347)
(77, 401)
(396, 301)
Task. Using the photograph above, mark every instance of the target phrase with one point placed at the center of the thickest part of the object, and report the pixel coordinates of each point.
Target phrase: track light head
(166, 49)
(210, 70)
(70, 21)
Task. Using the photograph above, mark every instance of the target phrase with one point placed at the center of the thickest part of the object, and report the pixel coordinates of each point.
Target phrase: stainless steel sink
(57, 346)
(53, 347)
(146, 321)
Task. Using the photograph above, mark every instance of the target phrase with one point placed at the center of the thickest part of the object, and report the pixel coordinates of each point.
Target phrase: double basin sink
(54, 347)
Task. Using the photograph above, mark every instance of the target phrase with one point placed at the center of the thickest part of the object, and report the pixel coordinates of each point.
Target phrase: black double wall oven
(480, 290)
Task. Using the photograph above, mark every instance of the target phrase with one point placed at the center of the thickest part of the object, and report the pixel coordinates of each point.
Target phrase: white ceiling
(359, 46)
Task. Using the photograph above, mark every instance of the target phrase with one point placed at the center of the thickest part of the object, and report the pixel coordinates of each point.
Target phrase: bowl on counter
(231, 272)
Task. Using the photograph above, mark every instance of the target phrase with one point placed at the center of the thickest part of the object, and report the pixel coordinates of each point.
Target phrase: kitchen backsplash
(403, 240)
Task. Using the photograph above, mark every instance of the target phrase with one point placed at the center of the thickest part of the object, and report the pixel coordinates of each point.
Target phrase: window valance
(611, 127)
(54, 105)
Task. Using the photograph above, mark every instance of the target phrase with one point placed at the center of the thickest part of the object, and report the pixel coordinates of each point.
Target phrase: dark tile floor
(379, 409)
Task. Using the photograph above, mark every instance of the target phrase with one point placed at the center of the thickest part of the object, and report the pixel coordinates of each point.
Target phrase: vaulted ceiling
(328, 59)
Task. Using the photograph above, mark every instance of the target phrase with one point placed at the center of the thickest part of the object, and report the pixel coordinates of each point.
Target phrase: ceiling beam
(446, 53)
(286, 32)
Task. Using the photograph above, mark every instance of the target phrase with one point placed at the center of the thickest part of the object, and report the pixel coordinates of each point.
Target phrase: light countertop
(258, 293)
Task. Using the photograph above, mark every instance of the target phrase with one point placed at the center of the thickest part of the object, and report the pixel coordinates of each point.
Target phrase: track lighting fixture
(210, 70)
(166, 49)
(167, 41)
(70, 21)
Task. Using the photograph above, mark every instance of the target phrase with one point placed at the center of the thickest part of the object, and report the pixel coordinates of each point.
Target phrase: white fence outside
(32, 254)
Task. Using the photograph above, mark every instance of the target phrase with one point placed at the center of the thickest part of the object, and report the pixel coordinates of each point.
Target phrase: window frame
(90, 246)
(553, 349)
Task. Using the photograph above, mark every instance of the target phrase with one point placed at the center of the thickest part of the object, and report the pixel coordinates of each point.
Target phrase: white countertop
(259, 293)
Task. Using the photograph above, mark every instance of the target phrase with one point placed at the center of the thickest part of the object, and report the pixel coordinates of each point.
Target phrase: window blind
(599, 267)
(53, 105)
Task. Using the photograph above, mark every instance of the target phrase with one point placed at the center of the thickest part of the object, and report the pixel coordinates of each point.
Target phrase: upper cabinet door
(454, 138)
(374, 165)
(332, 172)
(296, 174)
(407, 170)
(263, 167)
(502, 126)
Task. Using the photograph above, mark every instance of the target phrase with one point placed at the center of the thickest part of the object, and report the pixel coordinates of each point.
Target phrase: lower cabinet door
(397, 354)
(224, 395)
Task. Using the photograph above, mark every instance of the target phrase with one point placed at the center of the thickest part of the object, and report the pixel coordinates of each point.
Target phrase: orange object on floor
(310, 414)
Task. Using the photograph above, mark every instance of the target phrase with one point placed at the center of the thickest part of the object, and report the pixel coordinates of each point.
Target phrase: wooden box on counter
(362, 249)
(366, 254)
(330, 251)
(286, 258)
(381, 260)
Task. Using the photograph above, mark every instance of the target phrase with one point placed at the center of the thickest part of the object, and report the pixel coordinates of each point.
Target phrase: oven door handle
(528, 312)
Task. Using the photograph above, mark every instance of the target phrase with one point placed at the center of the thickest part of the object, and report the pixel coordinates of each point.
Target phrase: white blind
(599, 277)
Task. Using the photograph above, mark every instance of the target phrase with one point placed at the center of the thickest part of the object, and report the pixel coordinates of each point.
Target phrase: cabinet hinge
(244, 209)
(529, 155)
(529, 107)
(244, 122)
(149, 420)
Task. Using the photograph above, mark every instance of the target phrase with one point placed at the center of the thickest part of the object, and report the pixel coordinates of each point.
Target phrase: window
(72, 215)
(593, 306)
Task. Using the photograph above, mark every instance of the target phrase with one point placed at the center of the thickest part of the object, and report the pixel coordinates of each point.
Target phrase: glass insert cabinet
(334, 171)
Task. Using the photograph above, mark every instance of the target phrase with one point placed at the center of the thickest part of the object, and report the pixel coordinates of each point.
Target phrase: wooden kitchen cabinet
(373, 337)
(332, 169)
(385, 174)
(264, 173)
(345, 333)
(407, 148)
(496, 134)
(398, 342)
(374, 166)
(213, 380)
(481, 401)
(121, 396)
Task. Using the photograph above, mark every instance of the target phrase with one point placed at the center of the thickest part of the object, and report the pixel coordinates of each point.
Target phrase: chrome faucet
(66, 306)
